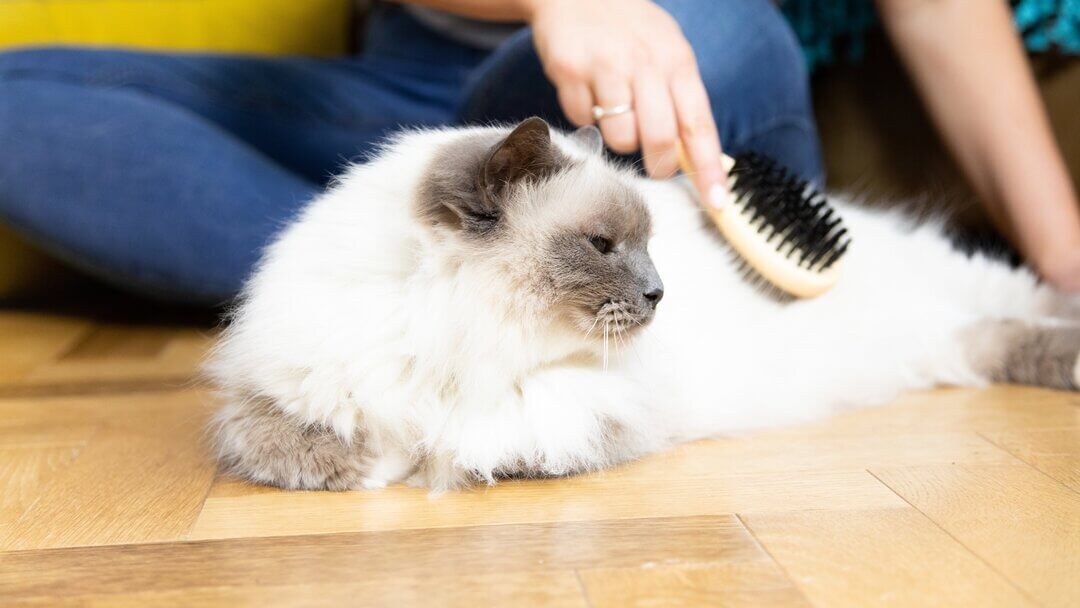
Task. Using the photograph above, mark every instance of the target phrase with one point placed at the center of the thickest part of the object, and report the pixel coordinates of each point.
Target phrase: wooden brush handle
(746, 240)
(688, 168)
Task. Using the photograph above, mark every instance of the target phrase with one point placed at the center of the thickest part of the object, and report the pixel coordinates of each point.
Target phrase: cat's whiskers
(592, 327)
(633, 344)
(618, 332)
(606, 328)
(613, 315)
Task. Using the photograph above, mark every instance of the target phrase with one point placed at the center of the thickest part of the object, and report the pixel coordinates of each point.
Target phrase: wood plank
(27, 426)
(237, 510)
(362, 558)
(878, 557)
(1055, 452)
(118, 341)
(1022, 523)
(141, 477)
(34, 448)
(548, 589)
(15, 438)
(90, 386)
(23, 472)
(753, 473)
(53, 355)
(808, 449)
(28, 340)
(751, 584)
(949, 410)
(176, 363)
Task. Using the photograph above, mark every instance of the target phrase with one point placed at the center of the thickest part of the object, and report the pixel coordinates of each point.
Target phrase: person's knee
(26, 62)
(74, 65)
(756, 76)
(744, 48)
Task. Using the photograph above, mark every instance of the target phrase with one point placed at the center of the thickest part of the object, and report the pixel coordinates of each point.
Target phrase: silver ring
(599, 113)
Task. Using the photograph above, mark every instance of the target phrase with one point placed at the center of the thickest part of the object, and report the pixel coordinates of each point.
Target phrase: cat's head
(565, 231)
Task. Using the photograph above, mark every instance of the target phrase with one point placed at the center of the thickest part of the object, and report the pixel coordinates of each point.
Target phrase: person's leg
(308, 115)
(510, 86)
(756, 75)
(749, 59)
(136, 191)
(168, 174)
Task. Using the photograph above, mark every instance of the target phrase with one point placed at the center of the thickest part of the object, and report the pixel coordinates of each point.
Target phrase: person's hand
(610, 53)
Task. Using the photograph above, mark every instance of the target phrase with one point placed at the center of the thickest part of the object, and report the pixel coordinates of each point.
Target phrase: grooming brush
(780, 225)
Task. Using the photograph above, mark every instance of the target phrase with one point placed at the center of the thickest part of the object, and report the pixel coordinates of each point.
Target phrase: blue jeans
(167, 174)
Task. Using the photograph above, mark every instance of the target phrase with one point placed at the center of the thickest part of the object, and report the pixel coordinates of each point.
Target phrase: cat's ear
(589, 138)
(526, 154)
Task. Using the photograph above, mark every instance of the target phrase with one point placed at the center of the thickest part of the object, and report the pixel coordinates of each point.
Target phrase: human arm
(614, 52)
(971, 72)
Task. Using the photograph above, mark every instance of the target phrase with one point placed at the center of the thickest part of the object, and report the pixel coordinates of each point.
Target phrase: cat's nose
(654, 295)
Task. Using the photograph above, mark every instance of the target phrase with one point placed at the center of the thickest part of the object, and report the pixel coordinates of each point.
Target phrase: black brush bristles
(790, 213)
(754, 279)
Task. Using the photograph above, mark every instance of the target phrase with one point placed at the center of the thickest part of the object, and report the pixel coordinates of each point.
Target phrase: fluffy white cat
(485, 302)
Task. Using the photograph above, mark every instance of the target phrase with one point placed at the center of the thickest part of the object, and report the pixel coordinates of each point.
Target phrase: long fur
(362, 321)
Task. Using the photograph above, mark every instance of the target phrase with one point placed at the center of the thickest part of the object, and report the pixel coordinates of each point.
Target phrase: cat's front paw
(260, 442)
(385, 469)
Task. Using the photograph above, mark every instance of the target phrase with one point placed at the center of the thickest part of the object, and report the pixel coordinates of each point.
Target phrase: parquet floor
(950, 498)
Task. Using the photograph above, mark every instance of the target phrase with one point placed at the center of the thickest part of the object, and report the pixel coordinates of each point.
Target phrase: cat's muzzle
(622, 317)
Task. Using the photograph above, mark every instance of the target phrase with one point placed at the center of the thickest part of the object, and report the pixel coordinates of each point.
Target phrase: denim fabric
(168, 173)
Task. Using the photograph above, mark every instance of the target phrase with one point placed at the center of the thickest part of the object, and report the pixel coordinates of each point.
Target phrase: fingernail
(718, 196)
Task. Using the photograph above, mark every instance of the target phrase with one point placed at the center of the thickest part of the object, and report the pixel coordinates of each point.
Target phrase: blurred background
(877, 139)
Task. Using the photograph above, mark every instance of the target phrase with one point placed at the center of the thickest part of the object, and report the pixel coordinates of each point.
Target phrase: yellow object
(276, 27)
(263, 27)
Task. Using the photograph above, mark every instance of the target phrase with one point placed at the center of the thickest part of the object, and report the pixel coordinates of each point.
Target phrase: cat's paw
(1024, 353)
(385, 469)
(261, 443)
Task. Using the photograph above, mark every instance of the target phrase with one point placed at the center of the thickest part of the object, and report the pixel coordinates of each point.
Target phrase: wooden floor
(952, 498)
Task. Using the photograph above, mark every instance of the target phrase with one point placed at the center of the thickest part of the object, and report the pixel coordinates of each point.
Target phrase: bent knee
(755, 73)
(74, 65)
(746, 50)
(27, 61)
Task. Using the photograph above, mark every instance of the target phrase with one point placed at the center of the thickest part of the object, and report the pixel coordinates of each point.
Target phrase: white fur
(352, 321)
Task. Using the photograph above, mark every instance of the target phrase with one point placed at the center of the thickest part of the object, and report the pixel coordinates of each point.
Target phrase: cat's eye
(601, 244)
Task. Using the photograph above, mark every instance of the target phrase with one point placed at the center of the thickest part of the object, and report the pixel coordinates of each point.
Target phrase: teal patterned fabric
(832, 30)
(1049, 24)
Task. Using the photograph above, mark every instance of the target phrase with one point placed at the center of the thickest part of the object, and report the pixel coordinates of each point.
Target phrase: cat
(489, 302)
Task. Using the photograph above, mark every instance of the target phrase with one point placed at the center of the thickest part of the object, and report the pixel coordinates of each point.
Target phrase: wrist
(532, 9)
(529, 8)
